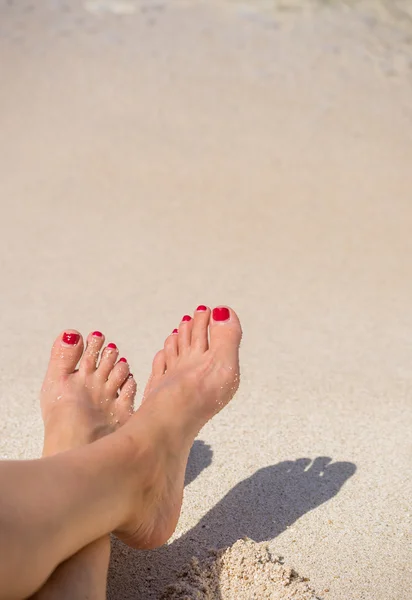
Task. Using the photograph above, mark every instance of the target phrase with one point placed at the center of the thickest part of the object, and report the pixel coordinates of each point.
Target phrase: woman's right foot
(193, 378)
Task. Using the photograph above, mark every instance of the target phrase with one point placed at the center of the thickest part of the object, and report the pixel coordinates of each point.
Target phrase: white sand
(182, 153)
(244, 571)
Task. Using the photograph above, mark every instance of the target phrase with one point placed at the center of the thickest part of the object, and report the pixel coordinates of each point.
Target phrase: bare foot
(193, 378)
(81, 405)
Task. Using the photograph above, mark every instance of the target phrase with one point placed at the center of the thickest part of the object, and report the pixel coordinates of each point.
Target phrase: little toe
(107, 361)
(159, 364)
(125, 401)
(118, 376)
(89, 359)
(184, 335)
(200, 329)
(171, 349)
(158, 370)
(225, 331)
(66, 352)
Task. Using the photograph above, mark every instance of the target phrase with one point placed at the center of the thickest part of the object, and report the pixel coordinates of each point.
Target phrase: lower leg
(53, 507)
(79, 407)
(82, 576)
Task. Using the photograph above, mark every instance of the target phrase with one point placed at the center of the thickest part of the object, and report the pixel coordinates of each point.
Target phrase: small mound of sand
(243, 571)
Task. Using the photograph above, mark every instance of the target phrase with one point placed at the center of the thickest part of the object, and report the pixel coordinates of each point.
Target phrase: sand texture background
(243, 571)
(159, 155)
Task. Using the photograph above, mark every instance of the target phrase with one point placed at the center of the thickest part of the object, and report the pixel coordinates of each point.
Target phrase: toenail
(175, 331)
(130, 376)
(221, 314)
(70, 338)
(112, 346)
(186, 318)
(201, 308)
(123, 359)
(97, 333)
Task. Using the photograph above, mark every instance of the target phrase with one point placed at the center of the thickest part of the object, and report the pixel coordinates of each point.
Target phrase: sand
(159, 155)
(244, 571)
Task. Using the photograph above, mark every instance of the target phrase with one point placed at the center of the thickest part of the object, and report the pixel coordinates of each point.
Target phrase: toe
(66, 352)
(159, 364)
(184, 335)
(200, 328)
(225, 331)
(107, 361)
(117, 377)
(125, 401)
(158, 370)
(89, 359)
(171, 349)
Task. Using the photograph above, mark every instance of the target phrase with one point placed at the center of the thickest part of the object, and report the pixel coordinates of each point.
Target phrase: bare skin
(130, 481)
(81, 577)
(83, 405)
(90, 408)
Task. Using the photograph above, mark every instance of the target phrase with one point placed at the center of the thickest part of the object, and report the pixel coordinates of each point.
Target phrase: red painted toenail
(97, 333)
(123, 359)
(130, 376)
(221, 314)
(201, 307)
(186, 318)
(70, 338)
(175, 331)
(112, 346)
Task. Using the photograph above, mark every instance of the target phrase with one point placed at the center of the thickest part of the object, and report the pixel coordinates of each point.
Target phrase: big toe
(225, 332)
(66, 352)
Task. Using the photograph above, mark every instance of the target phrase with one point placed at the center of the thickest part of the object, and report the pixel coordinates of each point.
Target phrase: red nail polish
(130, 376)
(70, 338)
(221, 314)
(175, 331)
(186, 318)
(112, 346)
(202, 307)
(123, 359)
(97, 333)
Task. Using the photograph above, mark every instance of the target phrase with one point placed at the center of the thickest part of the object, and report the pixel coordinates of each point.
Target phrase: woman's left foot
(80, 405)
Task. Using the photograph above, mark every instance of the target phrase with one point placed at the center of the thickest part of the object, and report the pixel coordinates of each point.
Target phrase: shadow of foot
(260, 507)
(200, 458)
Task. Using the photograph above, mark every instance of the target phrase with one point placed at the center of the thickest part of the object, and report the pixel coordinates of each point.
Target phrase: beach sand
(243, 571)
(159, 155)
